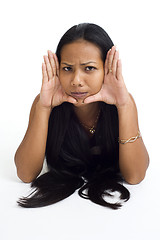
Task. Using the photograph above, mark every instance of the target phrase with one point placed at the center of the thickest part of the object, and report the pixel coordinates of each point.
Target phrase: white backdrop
(28, 29)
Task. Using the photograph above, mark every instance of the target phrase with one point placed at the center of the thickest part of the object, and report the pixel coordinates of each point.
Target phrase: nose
(77, 80)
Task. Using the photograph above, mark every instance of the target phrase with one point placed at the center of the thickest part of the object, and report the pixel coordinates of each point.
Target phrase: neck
(87, 113)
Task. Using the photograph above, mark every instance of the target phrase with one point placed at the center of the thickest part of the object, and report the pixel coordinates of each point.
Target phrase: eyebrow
(82, 64)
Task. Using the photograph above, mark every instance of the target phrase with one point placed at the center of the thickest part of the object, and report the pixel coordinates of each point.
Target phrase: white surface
(28, 30)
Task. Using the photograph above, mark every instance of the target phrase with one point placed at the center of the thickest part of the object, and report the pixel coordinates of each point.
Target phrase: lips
(79, 94)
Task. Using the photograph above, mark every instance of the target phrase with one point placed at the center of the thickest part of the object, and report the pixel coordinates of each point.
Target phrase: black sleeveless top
(77, 152)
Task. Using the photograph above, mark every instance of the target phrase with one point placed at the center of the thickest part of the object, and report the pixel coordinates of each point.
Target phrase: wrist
(42, 108)
(127, 104)
(128, 118)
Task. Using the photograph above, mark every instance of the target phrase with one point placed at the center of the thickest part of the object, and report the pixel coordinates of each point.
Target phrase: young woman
(84, 122)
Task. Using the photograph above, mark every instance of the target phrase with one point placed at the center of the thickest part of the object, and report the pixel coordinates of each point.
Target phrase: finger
(48, 67)
(57, 63)
(106, 65)
(68, 98)
(110, 57)
(71, 100)
(93, 98)
(52, 62)
(114, 62)
(119, 70)
(44, 73)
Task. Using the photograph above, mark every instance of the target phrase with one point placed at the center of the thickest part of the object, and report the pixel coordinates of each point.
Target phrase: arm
(30, 155)
(133, 157)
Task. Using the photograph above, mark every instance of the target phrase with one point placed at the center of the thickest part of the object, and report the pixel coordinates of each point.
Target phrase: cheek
(97, 83)
(63, 81)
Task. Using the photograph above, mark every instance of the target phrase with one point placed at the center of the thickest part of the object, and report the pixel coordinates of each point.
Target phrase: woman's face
(81, 69)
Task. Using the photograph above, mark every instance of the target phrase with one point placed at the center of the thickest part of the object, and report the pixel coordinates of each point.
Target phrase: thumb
(93, 98)
(71, 100)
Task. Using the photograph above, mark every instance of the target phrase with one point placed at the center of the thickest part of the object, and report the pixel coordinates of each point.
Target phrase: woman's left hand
(113, 90)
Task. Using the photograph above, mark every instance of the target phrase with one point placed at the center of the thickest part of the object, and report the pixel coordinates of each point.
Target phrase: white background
(27, 30)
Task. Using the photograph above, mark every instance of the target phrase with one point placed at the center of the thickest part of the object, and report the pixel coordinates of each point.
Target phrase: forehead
(80, 51)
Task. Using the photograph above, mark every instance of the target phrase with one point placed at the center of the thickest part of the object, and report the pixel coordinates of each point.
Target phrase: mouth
(79, 94)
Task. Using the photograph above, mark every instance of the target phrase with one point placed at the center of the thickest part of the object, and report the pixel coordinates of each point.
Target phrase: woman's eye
(90, 68)
(67, 69)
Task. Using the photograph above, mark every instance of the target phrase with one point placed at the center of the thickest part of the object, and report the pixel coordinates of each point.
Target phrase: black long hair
(72, 166)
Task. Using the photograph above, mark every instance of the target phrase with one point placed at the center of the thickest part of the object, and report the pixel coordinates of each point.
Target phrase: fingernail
(75, 101)
(117, 49)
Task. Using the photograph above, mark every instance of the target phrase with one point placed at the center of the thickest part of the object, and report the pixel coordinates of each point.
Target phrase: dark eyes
(90, 68)
(87, 69)
(67, 69)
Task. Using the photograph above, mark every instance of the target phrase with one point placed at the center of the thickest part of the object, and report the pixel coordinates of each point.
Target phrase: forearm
(31, 152)
(133, 157)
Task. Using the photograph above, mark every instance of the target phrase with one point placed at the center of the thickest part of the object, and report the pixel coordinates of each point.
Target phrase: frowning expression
(81, 69)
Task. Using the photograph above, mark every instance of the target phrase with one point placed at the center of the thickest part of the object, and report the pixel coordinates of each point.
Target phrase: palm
(52, 93)
(113, 90)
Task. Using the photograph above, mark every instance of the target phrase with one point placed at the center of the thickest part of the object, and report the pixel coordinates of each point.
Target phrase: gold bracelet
(130, 140)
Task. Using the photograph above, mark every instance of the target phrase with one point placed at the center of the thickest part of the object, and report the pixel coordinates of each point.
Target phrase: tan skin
(79, 71)
(84, 80)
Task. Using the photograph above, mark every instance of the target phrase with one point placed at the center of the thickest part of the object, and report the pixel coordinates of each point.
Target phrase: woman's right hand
(52, 93)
